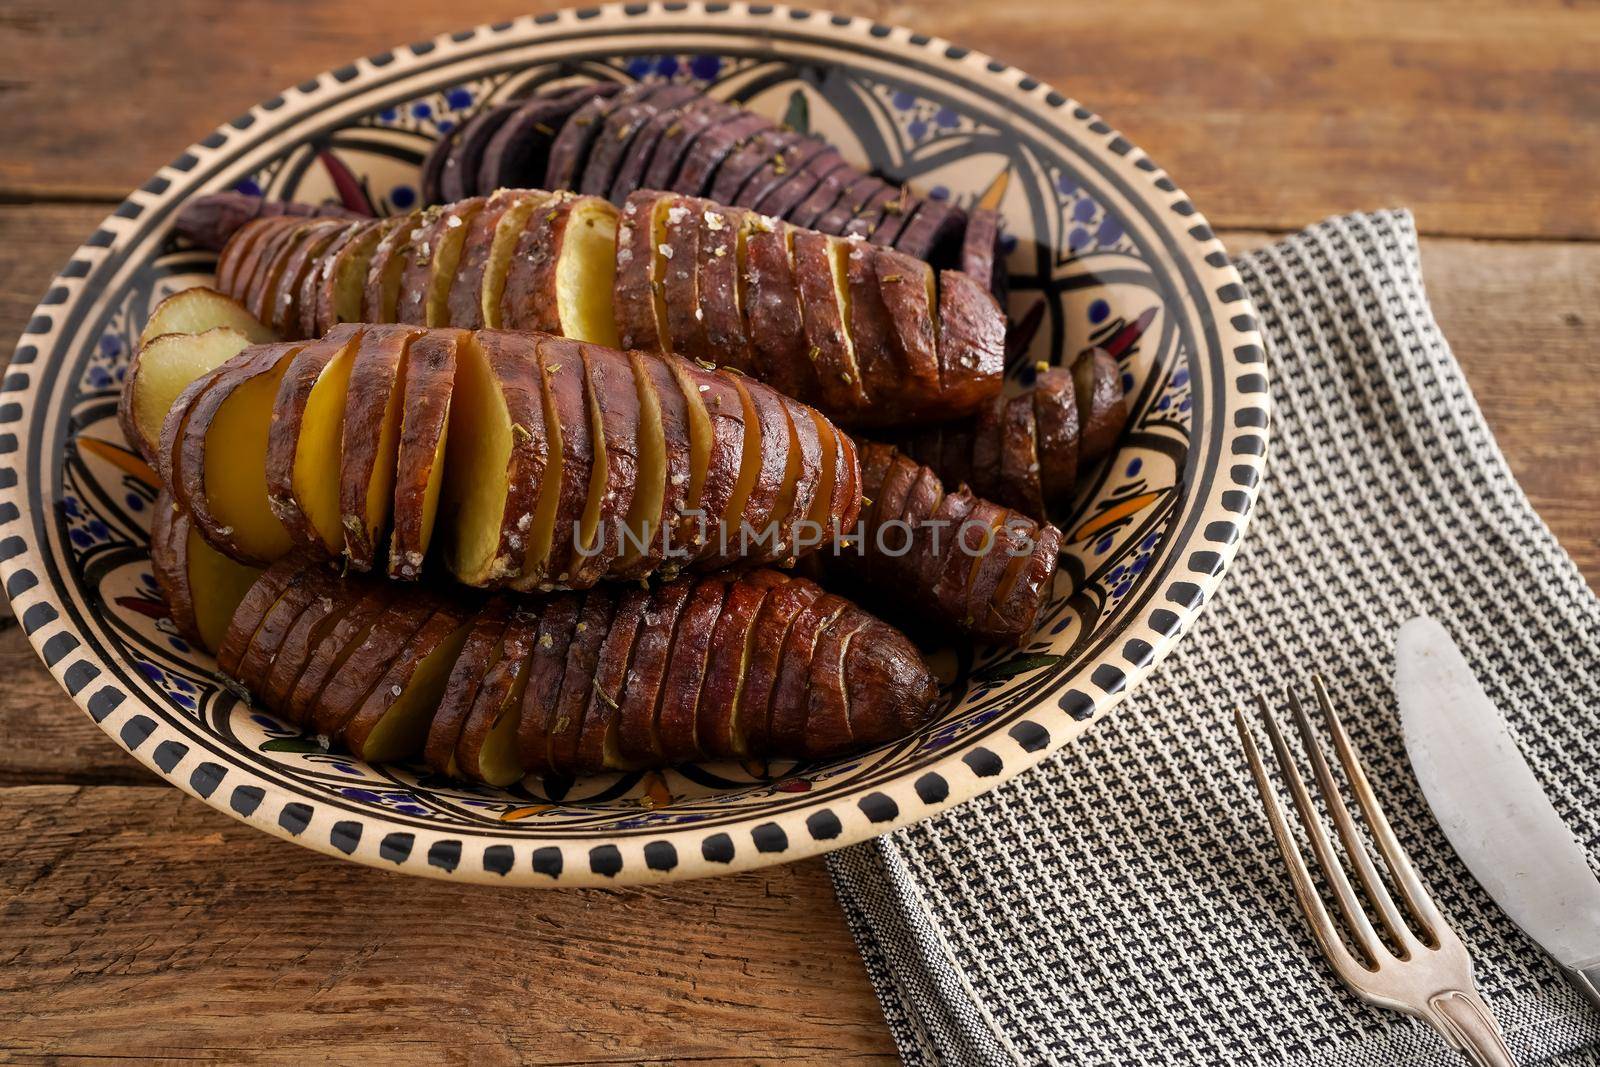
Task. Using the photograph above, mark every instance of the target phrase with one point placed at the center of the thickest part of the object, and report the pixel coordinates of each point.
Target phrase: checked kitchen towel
(1124, 903)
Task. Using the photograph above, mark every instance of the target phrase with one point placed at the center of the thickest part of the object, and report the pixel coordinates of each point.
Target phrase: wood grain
(1481, 116)
(136, 922)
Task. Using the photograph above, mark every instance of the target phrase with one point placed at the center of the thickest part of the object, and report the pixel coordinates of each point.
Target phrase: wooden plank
(1480, 115)
(135, 923)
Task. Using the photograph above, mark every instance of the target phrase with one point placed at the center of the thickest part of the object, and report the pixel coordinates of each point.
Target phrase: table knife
(1491, 806)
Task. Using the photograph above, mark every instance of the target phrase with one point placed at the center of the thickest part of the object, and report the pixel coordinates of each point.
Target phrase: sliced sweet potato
(1019, 456)
(819, 269)
(258, 599)
(432, 391)
(487, 749)
(256, 243)
(598, 738)
(326, 607)
(563, 272)
(480, 651)
(827, 730)
(777, 614)
(430, 267)
(867, 216)
(786, 196)
(613, 408)
(852, 200)
(665, 110)
(1055, 410)
(161, 371)
(791, 704)
(981, 257)
(907, 290)
(238, 248)
(203, 588)
(276, 251)
(465, 303)
(558, 619)
(719, 289)
(662, 403)
(458, 178)
(519, 151)
(283, 305)
(972, 343)
(638, 305)
(222, 459)
(369, 437)
(638, 742)
(745, 159)
(677, 723)
(772, 457)
(304, 441)
(328, 655)
(392, 722)
(623, 120)
(790, 154)
(429, 184)
(380, 292)
(732, 642)
(568, 425)
(932, 230)
(693, 120)
(577, 679)
(200, 309)
(717, 433)
(300, 594)
(1102, 409)
(369, 660)
(341, 281)
(641, 549)
(569, 152)
(495, 457)
(772, 310)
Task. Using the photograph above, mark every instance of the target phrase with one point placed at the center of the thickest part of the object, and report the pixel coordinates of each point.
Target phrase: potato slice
(257, 242)
(828, 729)
(478, 470)
(434, 387)
(597, 739)
(664, 413)
(327, 607)
(711, 148)
(907, 288)
(1019, 456)
(202, 587)
(222, 460)
(507, 233)
(720, 288)
(577, 679)
(1102, 409)
(569, 152)
(777, 615)
(368, 661)
(755, 521)
(732, 642)
(200, 309)
(380, 293)
(568, 425)
(547, 666)
(340, 285)
(638, 742)
(563, 273)
(301, 593)
(1055, 411)
(479, 653)
(304, 441)
(374, 401)
(791, 702)
(276, 250)
(771, 305)
(392, 721)
(283, 307)
(972, 344)
(613, 403)
(252, 609)
(236, 250)
(161, 371)
(430, 269)
(486, 750)
(640, 542)
(329, 654)
(678, 721)
(639, 306)
(466, 296)
(731, 452)
(677, 270)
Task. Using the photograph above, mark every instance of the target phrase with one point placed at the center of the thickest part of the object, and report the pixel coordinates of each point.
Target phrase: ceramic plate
(1103, 249)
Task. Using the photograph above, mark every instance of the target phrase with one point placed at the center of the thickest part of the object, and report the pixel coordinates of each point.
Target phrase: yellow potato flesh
(839, 264)
(350, 283)
(749, 463)
(446, 257)
(316, 456)
(699, 436)
(216, 586)
(506, 233)
(400, 733)
(586, 273)
(380, 487)
(200, 309)
(658, 270)
(597, 471)
(166, 367)
(497, 759)
(236, 466)
(477, 462)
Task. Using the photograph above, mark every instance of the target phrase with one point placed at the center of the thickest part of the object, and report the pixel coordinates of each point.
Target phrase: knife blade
(1489, 804)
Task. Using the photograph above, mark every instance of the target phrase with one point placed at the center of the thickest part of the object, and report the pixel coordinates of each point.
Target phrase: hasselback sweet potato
(935, 556)
(208, 221)
(533, 461)
(1025, 450)
(753, 665)
(869, 335)
(676, 139)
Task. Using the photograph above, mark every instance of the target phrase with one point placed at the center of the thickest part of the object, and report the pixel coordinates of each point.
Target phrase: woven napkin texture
(1124, 902)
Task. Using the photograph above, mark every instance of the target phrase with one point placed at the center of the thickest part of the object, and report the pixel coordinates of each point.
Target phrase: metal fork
(1430, 977)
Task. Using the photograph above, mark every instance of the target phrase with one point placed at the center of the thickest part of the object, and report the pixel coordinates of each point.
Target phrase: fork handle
(1464, 1020)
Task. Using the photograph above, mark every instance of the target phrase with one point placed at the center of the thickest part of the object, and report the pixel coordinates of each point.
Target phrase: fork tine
(1322, 925)
(1355, 915)
(1405, 874)
(1354, 847)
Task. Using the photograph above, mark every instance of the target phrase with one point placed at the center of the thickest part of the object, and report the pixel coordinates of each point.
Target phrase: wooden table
(136, 922)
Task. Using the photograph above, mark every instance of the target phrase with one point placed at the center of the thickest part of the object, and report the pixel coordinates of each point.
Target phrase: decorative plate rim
(967, 769)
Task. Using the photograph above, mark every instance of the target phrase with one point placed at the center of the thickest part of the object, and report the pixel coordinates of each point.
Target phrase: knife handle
(1466, 1023)
(1587, 979)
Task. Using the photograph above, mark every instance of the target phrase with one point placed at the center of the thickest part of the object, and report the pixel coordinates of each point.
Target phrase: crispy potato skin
(985, 571)
(759, 665)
